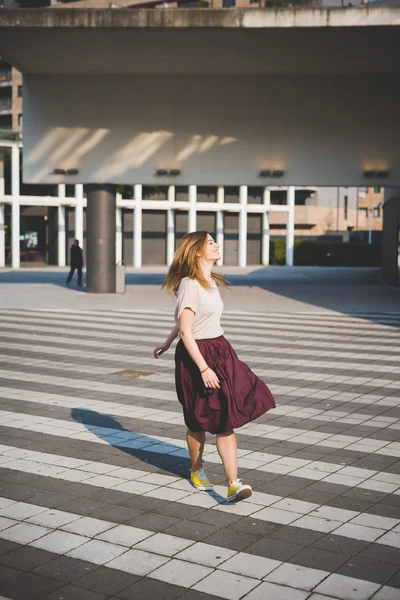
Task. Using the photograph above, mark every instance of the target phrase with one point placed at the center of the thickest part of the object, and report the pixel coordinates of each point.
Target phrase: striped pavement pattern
(94, 497)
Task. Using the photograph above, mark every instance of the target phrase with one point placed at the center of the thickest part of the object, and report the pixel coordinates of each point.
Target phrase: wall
(216, 130)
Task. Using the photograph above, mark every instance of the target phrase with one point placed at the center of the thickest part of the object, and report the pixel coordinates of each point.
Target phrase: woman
(218, 392)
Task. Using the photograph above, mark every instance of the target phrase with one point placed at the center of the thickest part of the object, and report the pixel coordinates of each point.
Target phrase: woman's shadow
(162, 455)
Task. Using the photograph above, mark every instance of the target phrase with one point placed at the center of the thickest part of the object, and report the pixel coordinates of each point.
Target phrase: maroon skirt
(241, 398)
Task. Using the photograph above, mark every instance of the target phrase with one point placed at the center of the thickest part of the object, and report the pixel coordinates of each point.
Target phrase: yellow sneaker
(238, 491)
(200, 480)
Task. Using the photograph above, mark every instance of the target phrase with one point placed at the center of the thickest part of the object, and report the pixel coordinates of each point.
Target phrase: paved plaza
(94, 499)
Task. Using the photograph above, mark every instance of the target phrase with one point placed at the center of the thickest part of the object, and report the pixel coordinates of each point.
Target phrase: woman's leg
(195, 442)
(227, 449)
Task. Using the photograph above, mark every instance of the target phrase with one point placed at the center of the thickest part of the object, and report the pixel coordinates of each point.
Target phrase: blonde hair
(186, 263)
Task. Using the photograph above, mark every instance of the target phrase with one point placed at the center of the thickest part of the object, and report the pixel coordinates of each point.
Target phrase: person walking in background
(76, 262)
(218, 392)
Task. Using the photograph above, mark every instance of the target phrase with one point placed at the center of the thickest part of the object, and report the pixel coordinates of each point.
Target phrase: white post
(2, 214)
(61, 227)
(15, 209)
(170, 227)
(243, 226)
(118, 233)
(79, 213)
(192, 208)
(137, 226)
(370, 227)
(265, 228)
(220, 223)
(290, 226)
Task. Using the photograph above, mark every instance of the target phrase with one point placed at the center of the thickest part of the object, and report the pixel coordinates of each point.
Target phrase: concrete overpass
(190, 97)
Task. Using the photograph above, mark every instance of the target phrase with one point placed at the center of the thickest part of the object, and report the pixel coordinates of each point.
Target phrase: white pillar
(243, 226)
(2, 214)
(265, 239)
(79, 213)
(192, 208)
(170, 227)
(61, 227)
(137, 226)
(15, 208)
(220, 223)
(118, 233)
(290, 226)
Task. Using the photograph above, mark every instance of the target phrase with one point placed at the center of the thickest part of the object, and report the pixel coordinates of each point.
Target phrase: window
(228, 3)
(377, 190)
(20, 120)
(346, 206)
(20, 91)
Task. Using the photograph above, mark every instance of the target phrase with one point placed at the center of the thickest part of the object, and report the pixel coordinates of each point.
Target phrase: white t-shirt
(206, 305)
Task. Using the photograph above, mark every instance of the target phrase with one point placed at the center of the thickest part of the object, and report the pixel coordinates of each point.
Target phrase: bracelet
(201, 372)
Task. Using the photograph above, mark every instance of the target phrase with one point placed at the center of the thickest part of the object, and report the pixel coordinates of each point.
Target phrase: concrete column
(290, 226)
(61, 242)
(265, 228)
(79, 214)
(15, 208)
(170, 227)
(100, 238)
(192, 208)
(118, 233)
(137, 226)
(2, 215)
(220, 223)
(243, 226)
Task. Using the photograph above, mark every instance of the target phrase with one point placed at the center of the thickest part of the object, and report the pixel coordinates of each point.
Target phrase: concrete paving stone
(53, 518)
(124, 535)
(87, 526)
(297, 576)
(97, 551)
(60, 542)
(206, 554)
(106, 581)
(272, 591)
(7, 546)
(317, 558)
(65, 569)
(72, 592)
(137, 562)
(179, 572)
(166, 545)
(395, 581)
(274, 549)
(387, 593)
(347, 588)
(296, 535)
(154, 522)
(29, 586)
(226, 585)
(341, 545)
(24, 533)
(20, 511)
(367, 570)
(250, 565)
(149, 589)
(26, 558)
(8, 573)
(191, 530)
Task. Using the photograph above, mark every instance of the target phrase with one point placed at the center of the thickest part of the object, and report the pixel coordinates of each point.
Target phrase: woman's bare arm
(186, 322)
(161, 348)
